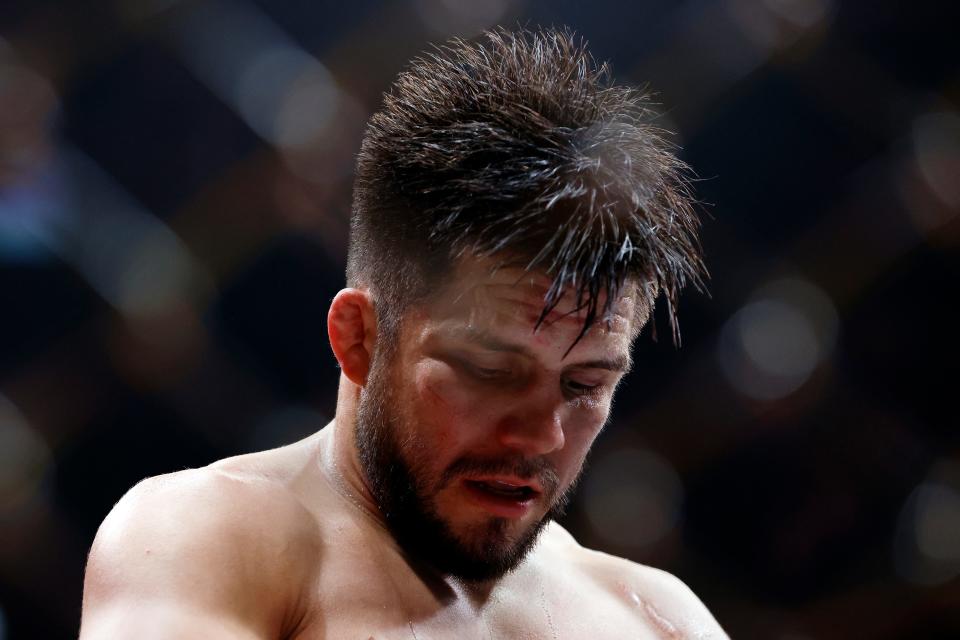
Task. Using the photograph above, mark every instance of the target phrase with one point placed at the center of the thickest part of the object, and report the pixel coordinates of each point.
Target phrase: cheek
(580, 440)
(584, 424)
(443, 401)
(586, 428)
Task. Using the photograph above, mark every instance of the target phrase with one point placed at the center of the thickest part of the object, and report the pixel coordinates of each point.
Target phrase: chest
(387, 624)
(378, 597)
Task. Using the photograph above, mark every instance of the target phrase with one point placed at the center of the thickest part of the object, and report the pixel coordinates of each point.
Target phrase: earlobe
(351, 327)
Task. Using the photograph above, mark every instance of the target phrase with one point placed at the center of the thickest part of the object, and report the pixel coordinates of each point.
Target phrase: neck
(339, 461)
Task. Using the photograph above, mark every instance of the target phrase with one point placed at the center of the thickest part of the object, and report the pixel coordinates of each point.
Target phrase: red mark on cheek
(444, 399)
(434, 395)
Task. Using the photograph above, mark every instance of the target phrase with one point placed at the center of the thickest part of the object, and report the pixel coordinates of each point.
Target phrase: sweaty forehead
(480, 292)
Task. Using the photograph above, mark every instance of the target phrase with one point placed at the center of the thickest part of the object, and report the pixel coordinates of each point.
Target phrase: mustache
(537, 468)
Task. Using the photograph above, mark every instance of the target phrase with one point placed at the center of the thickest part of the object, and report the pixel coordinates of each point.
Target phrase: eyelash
(485, 374)
(579, 389)
(576, 389)
(482, 373)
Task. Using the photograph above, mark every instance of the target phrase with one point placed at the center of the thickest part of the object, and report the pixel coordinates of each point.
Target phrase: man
(514, 219)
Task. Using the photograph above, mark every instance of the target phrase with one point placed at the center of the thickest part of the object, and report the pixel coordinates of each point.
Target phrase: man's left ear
(352, 329)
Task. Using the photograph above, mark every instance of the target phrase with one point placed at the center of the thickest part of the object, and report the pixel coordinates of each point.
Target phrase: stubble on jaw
(482, 552)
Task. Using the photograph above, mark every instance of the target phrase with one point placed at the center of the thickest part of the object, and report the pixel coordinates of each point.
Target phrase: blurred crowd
(175, 184)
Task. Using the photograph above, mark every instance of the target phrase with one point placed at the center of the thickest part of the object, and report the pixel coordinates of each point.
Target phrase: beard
(396, 469)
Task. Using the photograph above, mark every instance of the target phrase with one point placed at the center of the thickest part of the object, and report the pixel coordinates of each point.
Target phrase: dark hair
(520, 146)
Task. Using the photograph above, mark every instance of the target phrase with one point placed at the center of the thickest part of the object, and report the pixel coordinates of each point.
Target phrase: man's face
(474, 427)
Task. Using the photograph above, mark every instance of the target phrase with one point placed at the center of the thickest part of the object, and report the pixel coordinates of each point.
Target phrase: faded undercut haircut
(520, 146)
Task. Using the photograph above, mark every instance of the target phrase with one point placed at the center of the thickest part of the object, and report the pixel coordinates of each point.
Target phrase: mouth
(502, 498)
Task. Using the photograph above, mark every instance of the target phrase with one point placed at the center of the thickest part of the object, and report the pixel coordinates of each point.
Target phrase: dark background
(174, 190)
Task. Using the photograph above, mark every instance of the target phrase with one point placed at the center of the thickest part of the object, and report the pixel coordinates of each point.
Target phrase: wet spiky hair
(519, 146)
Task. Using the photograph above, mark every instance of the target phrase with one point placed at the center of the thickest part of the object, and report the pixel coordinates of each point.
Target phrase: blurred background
(174, 192)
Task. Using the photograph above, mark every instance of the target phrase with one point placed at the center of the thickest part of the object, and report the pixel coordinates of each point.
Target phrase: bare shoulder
(662, 599)
(210, 548)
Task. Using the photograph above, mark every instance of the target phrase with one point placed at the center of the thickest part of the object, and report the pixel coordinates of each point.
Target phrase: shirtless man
(514, 221)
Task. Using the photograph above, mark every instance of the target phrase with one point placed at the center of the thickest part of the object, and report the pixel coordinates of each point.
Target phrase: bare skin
(290, 543)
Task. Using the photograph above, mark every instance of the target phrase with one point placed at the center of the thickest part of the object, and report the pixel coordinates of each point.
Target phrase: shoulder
(662, 599)
(208, 540)
(199, 508)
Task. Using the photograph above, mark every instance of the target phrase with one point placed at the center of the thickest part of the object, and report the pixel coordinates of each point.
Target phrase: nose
(534, 427)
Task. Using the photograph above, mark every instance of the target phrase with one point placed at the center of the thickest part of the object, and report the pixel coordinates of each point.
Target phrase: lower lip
(499, 506)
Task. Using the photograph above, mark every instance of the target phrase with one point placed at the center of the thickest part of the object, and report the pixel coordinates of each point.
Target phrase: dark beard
(488, 551)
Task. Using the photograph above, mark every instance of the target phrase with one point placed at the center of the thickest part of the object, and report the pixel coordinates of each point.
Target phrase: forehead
(486, 295)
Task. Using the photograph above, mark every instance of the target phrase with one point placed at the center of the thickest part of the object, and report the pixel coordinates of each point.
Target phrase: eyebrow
(621, 363)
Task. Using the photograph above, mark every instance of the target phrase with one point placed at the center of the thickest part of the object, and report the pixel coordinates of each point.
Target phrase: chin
(487, 550)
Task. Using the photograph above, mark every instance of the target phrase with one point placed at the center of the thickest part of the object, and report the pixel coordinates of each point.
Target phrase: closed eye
(482, 373)
(580, 388)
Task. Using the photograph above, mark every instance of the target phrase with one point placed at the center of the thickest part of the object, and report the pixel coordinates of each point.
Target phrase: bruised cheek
(442, 399)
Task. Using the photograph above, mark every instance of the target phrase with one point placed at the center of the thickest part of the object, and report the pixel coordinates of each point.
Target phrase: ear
(352, 328)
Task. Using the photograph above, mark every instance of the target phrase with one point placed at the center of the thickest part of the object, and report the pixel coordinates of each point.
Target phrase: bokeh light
(927, 545)
(29, 101)
(282, 92)
(772, 345)
(24, 459)
(28, 210)
(632, 497)
(463, 17)
(776, 24)
(936, 146)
